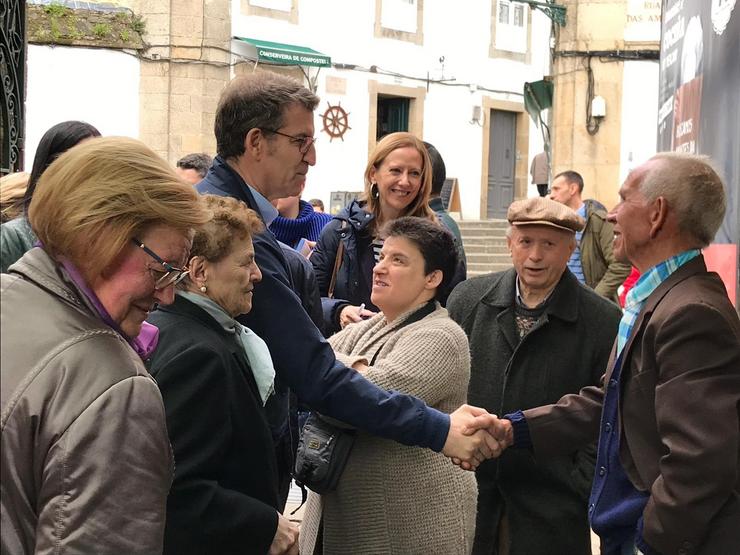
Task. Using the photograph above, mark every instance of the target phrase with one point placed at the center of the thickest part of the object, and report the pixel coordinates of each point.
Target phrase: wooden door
(501, 162)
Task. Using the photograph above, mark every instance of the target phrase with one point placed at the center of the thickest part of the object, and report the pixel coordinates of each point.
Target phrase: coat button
(602, 471)
(608, 427)
(591, 508)
(682, 552)
(687, 545)
(612, 383)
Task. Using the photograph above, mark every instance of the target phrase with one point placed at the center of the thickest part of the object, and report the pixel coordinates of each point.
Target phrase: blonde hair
(12, 192)
(99, 194)
(232, 219)
(420, 206)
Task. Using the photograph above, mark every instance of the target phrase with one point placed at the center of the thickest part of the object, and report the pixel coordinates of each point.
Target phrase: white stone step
(488, 258)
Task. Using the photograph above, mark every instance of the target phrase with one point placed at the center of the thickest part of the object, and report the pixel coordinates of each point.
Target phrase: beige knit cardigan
(391, 498)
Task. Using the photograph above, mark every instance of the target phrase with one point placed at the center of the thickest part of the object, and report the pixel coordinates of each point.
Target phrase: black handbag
(323, 451)
(325, 444)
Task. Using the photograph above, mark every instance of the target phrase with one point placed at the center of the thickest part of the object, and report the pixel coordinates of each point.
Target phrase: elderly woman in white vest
(393, 498)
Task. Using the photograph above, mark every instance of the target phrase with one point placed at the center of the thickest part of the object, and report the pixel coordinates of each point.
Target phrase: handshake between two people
(476, 435)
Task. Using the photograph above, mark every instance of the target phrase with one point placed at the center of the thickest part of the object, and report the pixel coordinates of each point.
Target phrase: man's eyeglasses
(303, 143)
(163, 278)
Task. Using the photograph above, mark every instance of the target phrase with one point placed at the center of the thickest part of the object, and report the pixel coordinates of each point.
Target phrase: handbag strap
(419, 314)
(337, 263)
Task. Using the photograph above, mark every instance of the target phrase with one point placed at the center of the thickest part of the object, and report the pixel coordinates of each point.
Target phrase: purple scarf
(144, 343)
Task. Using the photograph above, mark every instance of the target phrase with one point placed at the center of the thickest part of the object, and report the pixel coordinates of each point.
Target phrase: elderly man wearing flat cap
(535, 334)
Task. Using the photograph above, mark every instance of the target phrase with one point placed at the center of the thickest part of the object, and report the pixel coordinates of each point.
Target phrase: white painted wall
(458, 31)
(639, 108)
(100, 87)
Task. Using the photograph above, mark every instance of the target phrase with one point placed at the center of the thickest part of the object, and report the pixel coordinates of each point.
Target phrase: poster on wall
(699, 84)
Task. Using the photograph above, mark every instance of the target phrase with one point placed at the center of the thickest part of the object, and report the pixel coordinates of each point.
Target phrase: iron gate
(12, 77)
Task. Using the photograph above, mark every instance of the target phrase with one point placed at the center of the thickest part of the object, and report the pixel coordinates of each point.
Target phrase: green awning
(537, 97)
(279, 53)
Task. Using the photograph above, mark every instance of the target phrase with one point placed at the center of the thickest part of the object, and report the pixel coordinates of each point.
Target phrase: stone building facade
(617, 43)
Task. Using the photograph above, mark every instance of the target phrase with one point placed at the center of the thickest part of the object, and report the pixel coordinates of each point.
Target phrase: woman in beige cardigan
(392, 498)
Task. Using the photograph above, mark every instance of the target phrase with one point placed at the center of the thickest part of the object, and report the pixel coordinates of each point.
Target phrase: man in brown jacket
(668, 470)
(593, 261)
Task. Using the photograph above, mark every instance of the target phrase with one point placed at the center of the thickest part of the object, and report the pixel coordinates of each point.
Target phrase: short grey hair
(693, 190)
(257, 100)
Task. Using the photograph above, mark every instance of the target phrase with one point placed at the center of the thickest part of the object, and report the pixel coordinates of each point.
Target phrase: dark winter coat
(224, 497)
(354, 277)
(566, 350)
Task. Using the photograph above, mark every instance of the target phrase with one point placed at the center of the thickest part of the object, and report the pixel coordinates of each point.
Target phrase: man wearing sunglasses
(265, 140)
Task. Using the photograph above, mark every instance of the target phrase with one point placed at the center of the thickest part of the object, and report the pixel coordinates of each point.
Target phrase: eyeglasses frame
(305, 142)
(162, 282)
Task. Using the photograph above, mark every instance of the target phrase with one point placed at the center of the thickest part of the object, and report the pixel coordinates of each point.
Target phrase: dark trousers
(542, 189)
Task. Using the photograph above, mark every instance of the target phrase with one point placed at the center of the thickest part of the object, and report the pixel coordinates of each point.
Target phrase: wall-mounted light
(598, 107)
(595, 104)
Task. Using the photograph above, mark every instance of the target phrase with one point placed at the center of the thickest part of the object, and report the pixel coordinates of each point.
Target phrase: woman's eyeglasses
(163, 278)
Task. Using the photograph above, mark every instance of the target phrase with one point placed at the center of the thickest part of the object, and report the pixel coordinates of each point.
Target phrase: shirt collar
(267, 210)
(520, 301)
(650, 280)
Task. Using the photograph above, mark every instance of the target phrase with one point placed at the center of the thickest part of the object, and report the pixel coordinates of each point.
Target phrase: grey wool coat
(391, 498)
(566, 350)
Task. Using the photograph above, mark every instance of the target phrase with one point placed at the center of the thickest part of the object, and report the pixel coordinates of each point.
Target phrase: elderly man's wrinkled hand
(503, 431)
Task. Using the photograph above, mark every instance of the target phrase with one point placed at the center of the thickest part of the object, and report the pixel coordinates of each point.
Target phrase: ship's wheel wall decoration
(336, 121)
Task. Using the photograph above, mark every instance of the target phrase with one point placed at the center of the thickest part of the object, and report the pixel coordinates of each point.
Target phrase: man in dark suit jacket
(668, 471)
(264, 132)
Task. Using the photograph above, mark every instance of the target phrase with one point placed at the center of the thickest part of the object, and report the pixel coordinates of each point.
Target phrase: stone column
(186, 69)
(591, 25)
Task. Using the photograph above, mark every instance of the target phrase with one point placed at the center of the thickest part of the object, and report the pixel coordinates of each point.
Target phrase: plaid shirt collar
(648, 282)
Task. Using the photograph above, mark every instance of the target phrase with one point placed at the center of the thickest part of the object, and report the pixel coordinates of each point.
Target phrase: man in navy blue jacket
(264, 131)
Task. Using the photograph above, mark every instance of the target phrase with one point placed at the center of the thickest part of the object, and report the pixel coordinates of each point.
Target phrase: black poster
(700, 91)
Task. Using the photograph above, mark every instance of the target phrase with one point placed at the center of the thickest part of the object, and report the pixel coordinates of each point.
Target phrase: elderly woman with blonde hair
(215, 376)
(86, 463)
